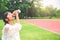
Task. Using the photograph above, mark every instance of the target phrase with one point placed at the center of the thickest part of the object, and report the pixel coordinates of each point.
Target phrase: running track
(50, 25)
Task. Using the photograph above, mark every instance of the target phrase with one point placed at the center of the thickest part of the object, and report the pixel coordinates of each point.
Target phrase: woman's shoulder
(7, 25)
(18, 24)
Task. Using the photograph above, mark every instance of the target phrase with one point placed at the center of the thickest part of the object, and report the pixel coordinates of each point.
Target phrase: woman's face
(10, 16)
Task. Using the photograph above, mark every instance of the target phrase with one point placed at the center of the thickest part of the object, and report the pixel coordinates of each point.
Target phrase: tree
(58, 13)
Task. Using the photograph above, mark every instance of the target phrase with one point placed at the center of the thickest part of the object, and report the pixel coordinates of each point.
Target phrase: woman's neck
(11, 22)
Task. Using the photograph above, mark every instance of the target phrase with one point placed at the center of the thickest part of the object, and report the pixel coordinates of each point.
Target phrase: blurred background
(37, 13)
(32, 8)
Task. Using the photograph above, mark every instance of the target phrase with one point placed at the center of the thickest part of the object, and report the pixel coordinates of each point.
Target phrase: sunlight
(54, 3)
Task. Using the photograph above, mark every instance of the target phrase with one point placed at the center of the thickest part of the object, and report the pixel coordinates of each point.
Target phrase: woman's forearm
(17, 18)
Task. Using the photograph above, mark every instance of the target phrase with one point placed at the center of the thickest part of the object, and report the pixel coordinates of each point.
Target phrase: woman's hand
(16, 12)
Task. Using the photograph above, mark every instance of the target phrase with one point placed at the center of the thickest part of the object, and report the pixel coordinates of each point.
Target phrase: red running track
(50, 25)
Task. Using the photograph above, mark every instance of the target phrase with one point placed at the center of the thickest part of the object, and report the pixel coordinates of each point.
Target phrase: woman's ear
(6, 19)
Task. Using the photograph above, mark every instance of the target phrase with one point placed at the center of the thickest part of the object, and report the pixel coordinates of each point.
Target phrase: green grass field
(32, 32)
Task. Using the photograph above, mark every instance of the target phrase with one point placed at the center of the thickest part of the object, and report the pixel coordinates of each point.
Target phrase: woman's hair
(4, 16)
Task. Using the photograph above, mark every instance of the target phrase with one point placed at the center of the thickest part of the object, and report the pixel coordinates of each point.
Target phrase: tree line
(29, 8)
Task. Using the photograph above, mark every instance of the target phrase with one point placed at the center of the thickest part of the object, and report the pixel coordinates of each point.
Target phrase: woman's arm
(16, 14)
(6, 29)
(17, 18)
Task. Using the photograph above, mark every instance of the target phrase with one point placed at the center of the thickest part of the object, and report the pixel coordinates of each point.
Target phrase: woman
(11, 30)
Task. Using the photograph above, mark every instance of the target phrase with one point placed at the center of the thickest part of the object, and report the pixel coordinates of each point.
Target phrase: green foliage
(58, 13)
(29, 8)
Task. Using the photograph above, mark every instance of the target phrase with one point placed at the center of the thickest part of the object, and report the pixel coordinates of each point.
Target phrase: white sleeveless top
(11, 32)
